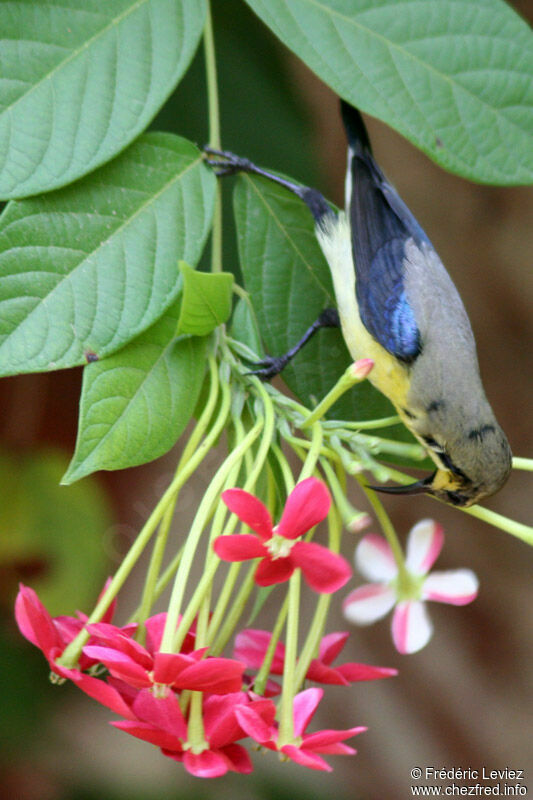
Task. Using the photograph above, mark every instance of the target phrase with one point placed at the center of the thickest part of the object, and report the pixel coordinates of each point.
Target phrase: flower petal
(98, 689)
(214, 763)
(251, 646)
(411, 627)
(331, 645)
(365, 672)
(169, 666)
(109, 613)
(322, 673)
(424, 544)
(456, 586)
(238, 547)
(67, 627)
(113, 637)
(323, 570)
(304, 706)
(305, 758)
(250, 510)
(374, 559)
(238, 758)
(254, 724)
(147, 732)
(273, 570)
(368, 603)
(120, 665)
(214, 675)
(155, 625)
(34, 621)
(325, 741)
(306, 506)
(163, 712)
(220, 723)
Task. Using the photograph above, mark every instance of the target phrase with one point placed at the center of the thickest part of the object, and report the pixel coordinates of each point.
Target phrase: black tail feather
(355, 128)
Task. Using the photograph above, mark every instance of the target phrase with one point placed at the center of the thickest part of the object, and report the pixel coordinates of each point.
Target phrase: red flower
(307, 746)
(53, 634)
(251, 646)
(225, 720)
(142, 667)
(280, 553)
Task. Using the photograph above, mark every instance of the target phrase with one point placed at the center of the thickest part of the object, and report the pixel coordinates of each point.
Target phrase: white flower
(406, 593)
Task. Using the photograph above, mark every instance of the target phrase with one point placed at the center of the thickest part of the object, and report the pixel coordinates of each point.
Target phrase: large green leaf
(289, 283)
(135, 404)
(81, 79)
(85, 269)
(453, 76)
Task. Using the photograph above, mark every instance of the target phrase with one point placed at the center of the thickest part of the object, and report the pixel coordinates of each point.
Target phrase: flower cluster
(200, 708)
(147, 688)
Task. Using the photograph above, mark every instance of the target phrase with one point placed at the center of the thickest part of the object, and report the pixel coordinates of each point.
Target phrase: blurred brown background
(466, 700)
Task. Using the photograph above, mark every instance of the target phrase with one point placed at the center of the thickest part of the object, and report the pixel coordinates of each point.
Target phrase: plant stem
(286, 725)
(367, 424)
(351, 517)
(73, 650)
(345, 382)
(523, 463)
(253, 474)
(198, 525)
(388, 529)
(214, 134)
(518, 529)
(316, 630)
(262, 675)
(234, 615)
(313, 454)
(150, 587)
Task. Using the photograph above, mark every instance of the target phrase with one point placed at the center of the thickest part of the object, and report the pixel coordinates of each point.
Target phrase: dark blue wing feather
(381, 224)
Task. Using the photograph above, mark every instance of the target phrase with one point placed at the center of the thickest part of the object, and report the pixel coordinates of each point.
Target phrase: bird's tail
(355, 128)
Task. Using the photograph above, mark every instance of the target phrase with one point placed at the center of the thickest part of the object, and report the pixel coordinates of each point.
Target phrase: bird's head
(474, 467)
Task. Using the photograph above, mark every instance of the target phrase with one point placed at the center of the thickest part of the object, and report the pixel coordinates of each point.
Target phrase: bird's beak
(423, 486)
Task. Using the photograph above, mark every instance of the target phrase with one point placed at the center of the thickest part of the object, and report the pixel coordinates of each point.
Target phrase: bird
(397, 305)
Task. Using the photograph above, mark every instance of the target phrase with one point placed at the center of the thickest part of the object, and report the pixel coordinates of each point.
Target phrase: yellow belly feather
(389, 375)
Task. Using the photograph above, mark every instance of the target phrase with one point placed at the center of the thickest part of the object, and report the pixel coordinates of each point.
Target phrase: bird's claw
(231, 163)
(268, 368)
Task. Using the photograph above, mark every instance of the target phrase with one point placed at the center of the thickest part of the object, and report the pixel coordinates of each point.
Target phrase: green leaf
(289, 283)
(206, 300)
(453, 76)
(135, 404)
(244, 327)
(80, 80)
(58, 533)
(85, 269)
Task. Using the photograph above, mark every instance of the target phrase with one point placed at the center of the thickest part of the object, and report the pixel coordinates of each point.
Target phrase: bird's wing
(381, 224)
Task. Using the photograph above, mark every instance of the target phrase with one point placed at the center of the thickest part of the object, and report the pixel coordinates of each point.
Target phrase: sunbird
(397, 305)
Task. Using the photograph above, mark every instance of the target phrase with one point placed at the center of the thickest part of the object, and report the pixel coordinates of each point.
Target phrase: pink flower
(280, 553)
(306, 746)
(225, 720)
(411, 626)
(251, 646)
(142, 667)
